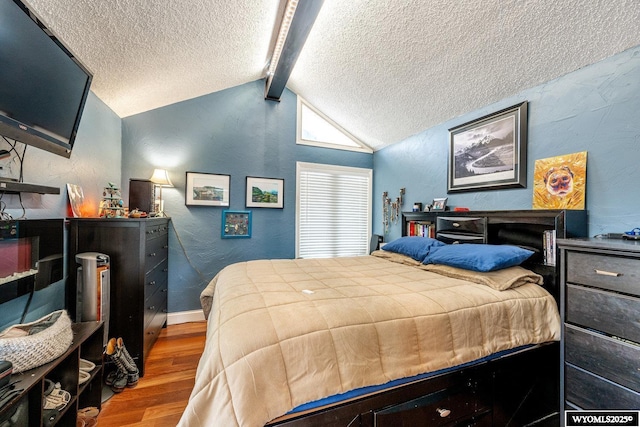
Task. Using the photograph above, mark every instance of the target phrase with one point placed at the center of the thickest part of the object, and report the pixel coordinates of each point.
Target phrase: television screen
(43, 88)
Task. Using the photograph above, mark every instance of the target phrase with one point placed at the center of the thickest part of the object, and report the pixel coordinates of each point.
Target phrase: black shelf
(21, 187)
(87, 343)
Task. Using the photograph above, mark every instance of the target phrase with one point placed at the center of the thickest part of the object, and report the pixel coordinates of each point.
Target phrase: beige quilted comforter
(285, 332)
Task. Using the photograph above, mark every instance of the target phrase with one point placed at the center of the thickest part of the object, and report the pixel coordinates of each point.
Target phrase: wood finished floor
(163, 392)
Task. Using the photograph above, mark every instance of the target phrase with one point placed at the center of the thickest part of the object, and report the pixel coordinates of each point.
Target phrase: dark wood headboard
(519, 227)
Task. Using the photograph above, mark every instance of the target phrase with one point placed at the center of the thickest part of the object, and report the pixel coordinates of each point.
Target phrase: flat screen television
(43, 87)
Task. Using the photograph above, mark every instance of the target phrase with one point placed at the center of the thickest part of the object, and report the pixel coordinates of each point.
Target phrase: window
(314, 128)
(333, 213)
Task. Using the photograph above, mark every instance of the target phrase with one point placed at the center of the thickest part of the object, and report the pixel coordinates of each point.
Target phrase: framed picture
(265, 192)
(489, 153)
(560, 182)
(76, 199)
(207, 189)
(236, 224)
(439, 204)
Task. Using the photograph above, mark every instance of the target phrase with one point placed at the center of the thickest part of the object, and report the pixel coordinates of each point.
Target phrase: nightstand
(600, 309)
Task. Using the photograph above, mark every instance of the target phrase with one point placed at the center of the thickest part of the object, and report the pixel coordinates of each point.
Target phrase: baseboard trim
(185, 317)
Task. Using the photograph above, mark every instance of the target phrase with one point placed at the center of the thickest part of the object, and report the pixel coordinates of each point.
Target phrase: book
(549, 247)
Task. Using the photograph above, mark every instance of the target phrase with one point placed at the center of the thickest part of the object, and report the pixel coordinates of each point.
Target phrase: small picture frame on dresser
(439, 205)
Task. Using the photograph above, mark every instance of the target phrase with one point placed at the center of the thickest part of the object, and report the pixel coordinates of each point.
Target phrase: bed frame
(517, 389)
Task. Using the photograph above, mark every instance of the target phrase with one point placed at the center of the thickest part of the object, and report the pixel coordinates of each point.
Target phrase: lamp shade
(161, 177)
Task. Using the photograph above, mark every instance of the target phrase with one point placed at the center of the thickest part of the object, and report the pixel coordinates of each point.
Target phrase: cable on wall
(13, 148)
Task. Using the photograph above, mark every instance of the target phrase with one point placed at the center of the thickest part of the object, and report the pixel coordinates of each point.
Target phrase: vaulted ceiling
(383, 69)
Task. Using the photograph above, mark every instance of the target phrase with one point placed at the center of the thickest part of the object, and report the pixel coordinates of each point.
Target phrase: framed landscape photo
(207, 189)
(236, 224)
(489, 153)
(265, 192)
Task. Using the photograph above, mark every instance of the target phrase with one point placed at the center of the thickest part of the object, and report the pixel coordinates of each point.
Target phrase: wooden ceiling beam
(301, 24)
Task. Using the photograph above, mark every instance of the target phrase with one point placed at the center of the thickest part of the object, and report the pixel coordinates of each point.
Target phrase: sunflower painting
(560, 182)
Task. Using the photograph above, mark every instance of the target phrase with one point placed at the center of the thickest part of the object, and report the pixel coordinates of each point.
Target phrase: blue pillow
(478, 257)
(414, 246)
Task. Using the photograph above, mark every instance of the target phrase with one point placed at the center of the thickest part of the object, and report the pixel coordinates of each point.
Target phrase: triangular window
(314, 128)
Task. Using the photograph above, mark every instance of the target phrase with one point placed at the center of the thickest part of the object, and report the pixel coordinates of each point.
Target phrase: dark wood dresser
(138, 251)
(600, 303)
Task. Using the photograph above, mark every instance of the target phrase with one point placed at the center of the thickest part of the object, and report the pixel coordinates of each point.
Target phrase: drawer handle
(153, 307)
(444, 413)
(455, 224)
(152, 254)
(607, 273)
(152, 283)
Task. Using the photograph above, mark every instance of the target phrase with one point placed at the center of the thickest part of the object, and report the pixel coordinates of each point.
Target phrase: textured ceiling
(382, 69)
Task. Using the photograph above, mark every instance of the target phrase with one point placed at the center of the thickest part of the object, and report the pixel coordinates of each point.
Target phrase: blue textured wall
(235, 132)
(595, 109)
(95, 160)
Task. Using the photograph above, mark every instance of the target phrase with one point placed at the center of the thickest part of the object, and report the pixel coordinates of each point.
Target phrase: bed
(378, 340)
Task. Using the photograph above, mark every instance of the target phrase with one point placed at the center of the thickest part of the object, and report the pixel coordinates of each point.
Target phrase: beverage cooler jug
(93, 290)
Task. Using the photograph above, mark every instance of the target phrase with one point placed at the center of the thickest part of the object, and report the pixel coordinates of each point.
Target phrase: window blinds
(333, 212)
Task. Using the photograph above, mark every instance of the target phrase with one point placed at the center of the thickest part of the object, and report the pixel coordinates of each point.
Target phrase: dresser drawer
(459, 238)
(615, 273)
(153, 329)
(157, 230)
(588, 391)
(461, 225)
(604, 356)
(155, 278)
(608, 312)
(154, 303)
(155, 252)
(461, 405)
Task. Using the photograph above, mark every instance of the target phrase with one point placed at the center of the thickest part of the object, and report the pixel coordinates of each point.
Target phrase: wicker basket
(30, 351)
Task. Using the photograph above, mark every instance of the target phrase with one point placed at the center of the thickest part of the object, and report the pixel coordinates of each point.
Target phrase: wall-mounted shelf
(22, 187)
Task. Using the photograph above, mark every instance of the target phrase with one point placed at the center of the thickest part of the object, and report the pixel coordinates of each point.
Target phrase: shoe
(125, 353)
(89, 412)
(117, 380)
(112, 376)
(87, 417)
(83, 377)
(56, 399)
(84, 371)
(124, 364)
(132, 368)
(86, 365)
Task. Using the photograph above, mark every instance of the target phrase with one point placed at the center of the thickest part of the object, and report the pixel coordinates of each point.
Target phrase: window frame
(361, 147)
(327, 168)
